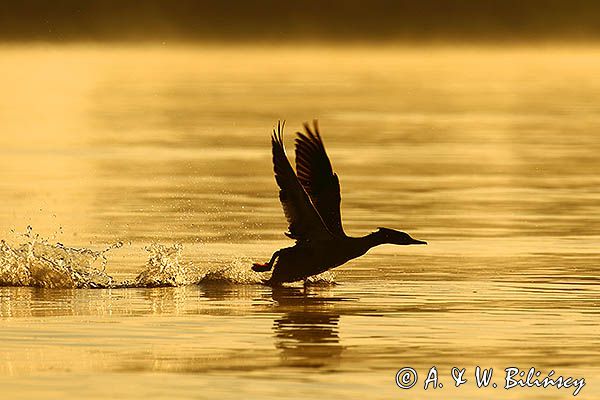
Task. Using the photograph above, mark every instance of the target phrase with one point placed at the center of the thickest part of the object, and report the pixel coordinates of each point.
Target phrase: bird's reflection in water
(308, 331)
(305, 328)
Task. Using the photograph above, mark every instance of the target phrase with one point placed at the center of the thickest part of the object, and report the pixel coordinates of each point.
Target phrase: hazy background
(274, 20)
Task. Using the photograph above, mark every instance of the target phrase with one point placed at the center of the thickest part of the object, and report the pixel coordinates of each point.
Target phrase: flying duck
(311, 203)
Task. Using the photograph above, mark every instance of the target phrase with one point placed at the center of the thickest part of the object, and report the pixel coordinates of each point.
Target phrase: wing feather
(304, 221)
(318, 179)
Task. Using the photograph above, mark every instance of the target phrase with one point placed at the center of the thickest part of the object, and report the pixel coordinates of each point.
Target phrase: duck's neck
(371, 240)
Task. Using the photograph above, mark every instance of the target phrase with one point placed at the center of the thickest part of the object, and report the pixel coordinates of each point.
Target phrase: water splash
(234, 272)
(327, 278)
(39, 263)
(164, 268)
(42, 264)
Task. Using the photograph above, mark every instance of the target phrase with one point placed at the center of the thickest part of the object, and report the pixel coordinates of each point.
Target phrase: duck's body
(311, 203)
(306, 259)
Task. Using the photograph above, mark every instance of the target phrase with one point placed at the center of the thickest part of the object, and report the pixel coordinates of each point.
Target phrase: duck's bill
(415, 241)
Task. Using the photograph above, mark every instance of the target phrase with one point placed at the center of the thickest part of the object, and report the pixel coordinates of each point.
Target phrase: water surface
(489, 154)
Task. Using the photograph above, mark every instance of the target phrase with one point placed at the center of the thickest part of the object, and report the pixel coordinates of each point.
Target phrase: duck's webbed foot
(256, 267)
(265, 267)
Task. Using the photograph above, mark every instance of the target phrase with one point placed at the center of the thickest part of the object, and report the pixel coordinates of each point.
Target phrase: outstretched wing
(304, 221)
(316, 176)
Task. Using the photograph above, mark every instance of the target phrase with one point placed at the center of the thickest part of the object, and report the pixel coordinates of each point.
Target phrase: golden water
(151, 167)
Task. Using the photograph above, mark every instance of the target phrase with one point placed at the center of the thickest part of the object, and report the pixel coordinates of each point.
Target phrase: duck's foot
(256, 267)
(271, 283)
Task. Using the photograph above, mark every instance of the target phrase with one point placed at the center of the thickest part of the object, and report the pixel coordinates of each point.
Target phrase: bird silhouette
(311, 203)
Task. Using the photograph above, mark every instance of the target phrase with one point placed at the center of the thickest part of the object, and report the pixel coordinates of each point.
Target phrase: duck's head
(393, 236)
